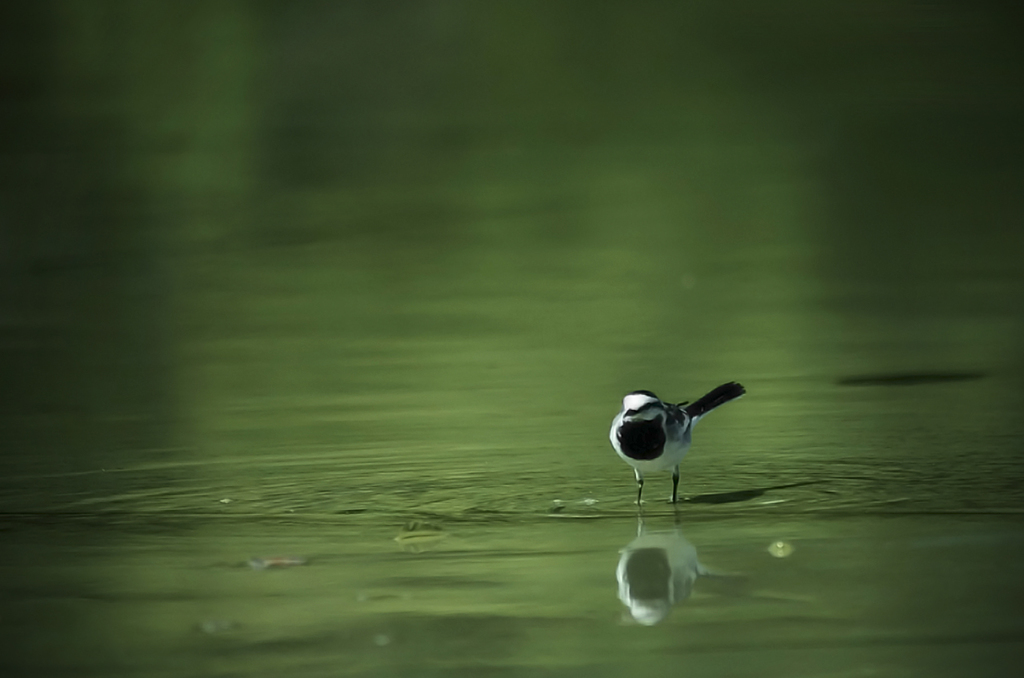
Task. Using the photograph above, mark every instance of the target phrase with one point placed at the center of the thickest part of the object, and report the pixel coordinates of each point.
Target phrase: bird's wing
(675, 413)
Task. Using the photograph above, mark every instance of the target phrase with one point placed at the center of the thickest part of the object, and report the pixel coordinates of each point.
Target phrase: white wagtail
(651, 435)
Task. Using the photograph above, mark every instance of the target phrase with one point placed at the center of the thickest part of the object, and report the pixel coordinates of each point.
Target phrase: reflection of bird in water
(656, 571)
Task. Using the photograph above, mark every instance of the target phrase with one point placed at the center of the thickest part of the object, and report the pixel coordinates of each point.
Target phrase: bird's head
(642, 406)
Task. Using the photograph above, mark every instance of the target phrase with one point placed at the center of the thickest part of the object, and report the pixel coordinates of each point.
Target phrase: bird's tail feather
(715, 398)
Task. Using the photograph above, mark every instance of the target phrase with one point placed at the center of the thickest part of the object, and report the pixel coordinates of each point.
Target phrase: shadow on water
(743, 495)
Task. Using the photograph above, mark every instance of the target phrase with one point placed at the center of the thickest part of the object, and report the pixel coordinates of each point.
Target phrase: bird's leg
(675, 484)
(639, 485)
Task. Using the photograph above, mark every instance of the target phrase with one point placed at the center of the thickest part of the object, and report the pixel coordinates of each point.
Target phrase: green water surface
(362, 287)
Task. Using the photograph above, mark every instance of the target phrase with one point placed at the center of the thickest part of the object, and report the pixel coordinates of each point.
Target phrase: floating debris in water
(588, 501)
(416, 535)
(212, 626)
(225, 500)
(367, 596)
(276, 561)
(907, 378)
(780, 549)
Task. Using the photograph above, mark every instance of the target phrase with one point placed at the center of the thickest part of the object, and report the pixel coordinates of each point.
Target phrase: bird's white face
(641, 406)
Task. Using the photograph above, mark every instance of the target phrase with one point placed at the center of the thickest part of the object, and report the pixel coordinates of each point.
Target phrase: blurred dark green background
(397, 259)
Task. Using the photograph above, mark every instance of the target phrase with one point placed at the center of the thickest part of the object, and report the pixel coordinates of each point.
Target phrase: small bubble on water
(213, 626)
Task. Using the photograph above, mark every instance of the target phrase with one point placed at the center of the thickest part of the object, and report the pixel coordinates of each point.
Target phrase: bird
(652, 435)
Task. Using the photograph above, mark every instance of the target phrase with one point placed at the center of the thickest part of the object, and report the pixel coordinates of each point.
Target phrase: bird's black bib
(643, 440)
